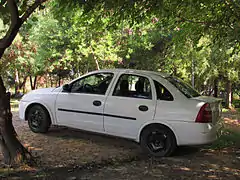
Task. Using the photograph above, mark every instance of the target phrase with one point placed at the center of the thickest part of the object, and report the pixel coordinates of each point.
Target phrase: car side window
(133, 86)
(162, 92)
(92, 84)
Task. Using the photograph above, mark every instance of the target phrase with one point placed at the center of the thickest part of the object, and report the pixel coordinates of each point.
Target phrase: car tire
(38, 119)
(158, 141)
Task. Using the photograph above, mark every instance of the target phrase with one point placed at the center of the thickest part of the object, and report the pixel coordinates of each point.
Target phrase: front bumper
(22, 109)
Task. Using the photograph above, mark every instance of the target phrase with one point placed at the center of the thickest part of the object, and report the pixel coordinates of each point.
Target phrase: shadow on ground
(70, 133)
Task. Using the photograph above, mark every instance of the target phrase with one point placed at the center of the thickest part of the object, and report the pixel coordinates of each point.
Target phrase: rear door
(129, 105)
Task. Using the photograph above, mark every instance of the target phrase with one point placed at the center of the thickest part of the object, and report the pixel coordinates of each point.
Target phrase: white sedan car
(154, 109)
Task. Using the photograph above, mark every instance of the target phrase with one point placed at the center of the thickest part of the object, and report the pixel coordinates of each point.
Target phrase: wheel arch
(145, 126)
(40, 104)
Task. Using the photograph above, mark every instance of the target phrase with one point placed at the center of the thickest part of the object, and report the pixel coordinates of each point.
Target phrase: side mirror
(66, 88)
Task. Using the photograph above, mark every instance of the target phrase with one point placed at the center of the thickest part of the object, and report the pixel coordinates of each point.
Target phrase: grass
(227, 138)
(228, 133)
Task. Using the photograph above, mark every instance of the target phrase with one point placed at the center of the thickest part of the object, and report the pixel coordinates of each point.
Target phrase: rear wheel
(158, 141)
(38, 119)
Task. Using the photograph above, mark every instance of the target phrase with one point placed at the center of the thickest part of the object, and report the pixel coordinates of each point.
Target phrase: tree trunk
(22, 85)
(51, 81)
(1, 52)
(12, 150)
(59, 81)
(229, 94)
(193, 74)
(16, 82)
(97, 65)
(95, 59)
(215, 88)
(174, 70)
(46, 84)
(210, 91)
(33, 83)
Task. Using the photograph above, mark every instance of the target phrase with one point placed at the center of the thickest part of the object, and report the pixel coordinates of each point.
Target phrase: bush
(236, 103)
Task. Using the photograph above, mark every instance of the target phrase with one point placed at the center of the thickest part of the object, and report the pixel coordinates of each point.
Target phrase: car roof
(143, 72)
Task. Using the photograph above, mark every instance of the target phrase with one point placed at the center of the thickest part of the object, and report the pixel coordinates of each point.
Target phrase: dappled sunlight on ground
(196, 167)
(65, 152)
(65, 147)
(233, 122)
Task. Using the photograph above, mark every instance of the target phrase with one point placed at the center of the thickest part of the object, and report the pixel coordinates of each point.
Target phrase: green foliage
(22, 6)
(236, 103)
(4, 13)
(184, 38)
(227, 138)
(48, 41)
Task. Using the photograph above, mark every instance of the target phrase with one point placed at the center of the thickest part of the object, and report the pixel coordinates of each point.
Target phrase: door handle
(143, 108)
(97, 103)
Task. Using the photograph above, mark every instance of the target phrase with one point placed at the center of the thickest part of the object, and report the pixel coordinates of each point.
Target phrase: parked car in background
(157, 110)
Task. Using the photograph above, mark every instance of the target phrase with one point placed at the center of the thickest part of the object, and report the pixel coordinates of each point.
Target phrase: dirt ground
(69, 154)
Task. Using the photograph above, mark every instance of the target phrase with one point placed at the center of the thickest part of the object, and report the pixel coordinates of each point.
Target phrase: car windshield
(186, 89)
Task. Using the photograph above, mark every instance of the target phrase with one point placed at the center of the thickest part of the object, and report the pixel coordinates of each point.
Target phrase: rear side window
(162, 92)
(186, 89)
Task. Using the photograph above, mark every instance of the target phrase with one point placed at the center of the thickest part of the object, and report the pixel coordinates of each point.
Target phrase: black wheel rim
(158, 142)
(35, 119)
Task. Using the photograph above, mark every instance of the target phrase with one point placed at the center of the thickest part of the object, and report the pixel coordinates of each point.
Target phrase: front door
(82, 107)
(129, 106)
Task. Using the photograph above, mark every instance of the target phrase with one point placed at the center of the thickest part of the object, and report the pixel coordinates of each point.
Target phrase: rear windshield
(186, 89)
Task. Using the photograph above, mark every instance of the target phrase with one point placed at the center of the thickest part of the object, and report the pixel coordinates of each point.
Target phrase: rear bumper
(192, 134)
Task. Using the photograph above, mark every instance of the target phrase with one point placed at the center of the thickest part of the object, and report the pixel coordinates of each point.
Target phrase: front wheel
(38, 119)
(158, 141)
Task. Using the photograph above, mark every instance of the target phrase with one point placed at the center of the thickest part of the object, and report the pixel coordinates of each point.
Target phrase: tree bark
(12, 150)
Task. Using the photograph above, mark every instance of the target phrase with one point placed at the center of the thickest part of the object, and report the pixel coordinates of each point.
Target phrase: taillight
(204, 114)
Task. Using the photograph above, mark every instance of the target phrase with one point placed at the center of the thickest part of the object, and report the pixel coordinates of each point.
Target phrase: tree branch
(2, 2)
(192, 21)
(31, 9)
(15, 22)
(13, 9)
